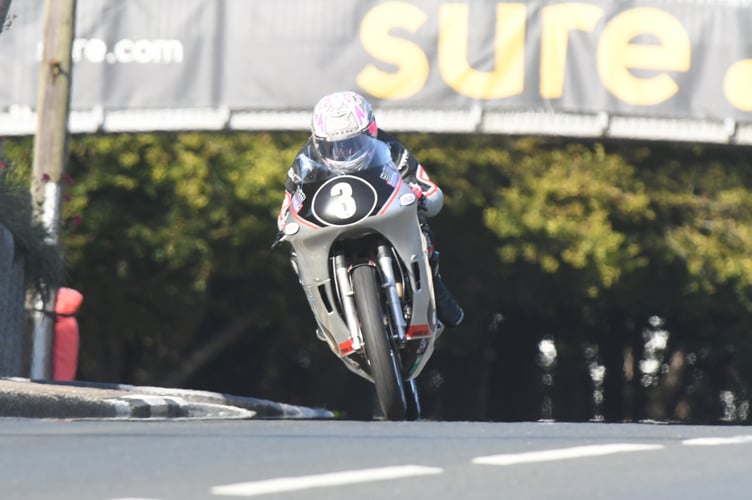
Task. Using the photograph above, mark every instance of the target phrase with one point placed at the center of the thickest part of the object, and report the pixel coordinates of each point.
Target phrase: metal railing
(12, 307)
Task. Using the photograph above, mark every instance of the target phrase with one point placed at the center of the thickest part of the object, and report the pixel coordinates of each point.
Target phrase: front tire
(385, 366)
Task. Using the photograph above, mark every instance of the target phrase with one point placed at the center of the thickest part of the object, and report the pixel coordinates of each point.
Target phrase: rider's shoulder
(306, 166)
(389, 139)
(401, 156)
(306, 155)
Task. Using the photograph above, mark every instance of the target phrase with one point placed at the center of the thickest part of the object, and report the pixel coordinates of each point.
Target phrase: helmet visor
(346, 154)
(345, 149)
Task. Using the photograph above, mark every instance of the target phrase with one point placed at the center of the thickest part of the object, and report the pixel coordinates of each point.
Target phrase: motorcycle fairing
(322, 229)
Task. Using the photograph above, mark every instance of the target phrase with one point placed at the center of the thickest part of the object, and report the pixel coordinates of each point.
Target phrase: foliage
(592, 240)
(179, 226)
(580, 242)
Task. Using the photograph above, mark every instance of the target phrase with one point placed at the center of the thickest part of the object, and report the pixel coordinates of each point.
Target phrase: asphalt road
(296, 459)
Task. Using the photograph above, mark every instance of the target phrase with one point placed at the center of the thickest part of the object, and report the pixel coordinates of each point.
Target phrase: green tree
(591, 241)
(168, 237)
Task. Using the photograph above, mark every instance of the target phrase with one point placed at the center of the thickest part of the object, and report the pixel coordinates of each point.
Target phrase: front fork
(389, 284)
(348, 300)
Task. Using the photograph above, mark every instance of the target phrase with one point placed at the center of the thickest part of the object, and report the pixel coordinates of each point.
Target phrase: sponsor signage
(684, 60)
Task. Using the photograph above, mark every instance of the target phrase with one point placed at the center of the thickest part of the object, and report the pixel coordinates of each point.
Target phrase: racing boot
(447, 309)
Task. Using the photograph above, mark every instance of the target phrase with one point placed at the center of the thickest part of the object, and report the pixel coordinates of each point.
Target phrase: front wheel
(385, 367)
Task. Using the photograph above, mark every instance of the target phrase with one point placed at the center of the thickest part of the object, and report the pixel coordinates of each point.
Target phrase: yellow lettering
(617, 55)
(411, 61)
(508, 76)
(736, 85)
(558, 21)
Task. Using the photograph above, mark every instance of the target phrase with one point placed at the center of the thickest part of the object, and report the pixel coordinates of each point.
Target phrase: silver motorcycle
(362, 260)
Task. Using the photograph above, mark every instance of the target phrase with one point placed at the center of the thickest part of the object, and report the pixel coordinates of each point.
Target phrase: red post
(67, 339)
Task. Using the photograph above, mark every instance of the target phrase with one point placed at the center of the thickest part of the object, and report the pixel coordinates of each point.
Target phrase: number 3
(344, 203)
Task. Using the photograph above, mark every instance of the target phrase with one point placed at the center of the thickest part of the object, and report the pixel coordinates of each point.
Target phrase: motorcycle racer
(343, 129)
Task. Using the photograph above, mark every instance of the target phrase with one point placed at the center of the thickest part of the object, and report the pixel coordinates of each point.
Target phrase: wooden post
(50, 156)
(4, 7)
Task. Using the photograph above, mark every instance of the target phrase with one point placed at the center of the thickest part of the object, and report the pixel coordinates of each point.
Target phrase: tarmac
(26, 398)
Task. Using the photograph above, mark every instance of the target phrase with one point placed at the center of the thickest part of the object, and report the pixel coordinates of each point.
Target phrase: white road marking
(564, 453)
(281, 484)
(717, 441)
